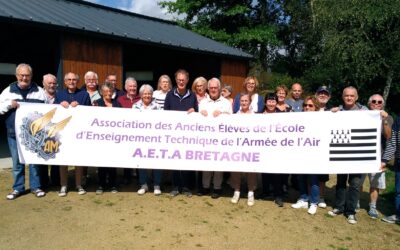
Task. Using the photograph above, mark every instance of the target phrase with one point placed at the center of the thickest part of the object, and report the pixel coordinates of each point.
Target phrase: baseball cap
(323, 89)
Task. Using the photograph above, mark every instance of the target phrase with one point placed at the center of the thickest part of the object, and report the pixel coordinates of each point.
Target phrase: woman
(250, 86)
(199, 88)
(226, 92)
(164, 85)
(275, 180)
(146, 103)
(310, 105)
(281, 92)
(236, 177)
(106, 91)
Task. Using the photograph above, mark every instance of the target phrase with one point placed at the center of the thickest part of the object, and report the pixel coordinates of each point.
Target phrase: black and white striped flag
(353, 145)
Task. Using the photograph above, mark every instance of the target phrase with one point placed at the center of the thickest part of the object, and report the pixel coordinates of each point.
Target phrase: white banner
(304, 142)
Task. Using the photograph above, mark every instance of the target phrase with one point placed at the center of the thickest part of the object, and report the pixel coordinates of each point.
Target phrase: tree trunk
(386, 90)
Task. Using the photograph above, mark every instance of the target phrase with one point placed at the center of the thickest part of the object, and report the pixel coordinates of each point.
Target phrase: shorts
(377, 180)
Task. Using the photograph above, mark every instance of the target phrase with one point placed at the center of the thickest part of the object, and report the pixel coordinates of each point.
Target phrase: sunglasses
(377, 101)
(308, 105)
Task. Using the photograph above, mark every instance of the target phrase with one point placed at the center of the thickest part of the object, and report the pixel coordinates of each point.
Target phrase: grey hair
(130, 79)
(76, 75)
(23, 65)
(89, 73)
(145, 87)
(50, 76)
(212, 80)
(106, 86)
(372, 96)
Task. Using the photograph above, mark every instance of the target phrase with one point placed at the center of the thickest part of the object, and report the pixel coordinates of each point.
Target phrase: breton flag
(353, 145)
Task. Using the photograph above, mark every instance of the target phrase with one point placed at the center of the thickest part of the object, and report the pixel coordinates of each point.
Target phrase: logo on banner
(353, 145)
(40, 135)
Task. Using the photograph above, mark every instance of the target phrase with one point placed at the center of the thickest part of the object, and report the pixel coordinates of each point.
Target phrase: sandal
(13, 195)
(39, 193)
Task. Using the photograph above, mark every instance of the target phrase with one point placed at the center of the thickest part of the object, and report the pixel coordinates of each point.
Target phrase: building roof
(81, 16)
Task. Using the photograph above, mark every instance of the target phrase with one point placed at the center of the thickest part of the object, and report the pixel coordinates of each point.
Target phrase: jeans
(112, 176)
(181, 179)
(347, 203)
(18, 169)
(313, 181)
(303, 189)
(157, 173)
(397, 186)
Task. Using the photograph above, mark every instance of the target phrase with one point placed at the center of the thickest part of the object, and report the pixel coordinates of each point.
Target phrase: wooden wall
(80, 55)
(234, 73)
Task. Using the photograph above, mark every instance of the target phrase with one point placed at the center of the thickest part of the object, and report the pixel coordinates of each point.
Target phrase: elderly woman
(106, 91)
(236, 177)
(250, 86)
(164, 85)
(226, 92)
(146, 103)
(281, 92)
(199, 88)
(310, 104)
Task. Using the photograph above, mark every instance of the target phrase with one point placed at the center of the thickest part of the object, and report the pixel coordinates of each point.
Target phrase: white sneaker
(143, 189)
(321, 203)
(300, 204)
(81, 191)
(63, 191)
(250, 199)
(313, 209)
(236, 197)
(157, 190)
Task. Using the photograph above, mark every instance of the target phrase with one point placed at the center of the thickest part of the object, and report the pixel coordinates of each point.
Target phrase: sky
(144, 7)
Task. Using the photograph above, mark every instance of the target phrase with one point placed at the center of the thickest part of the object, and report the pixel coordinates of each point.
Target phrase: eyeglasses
(377, 101)
(308, 105)
(24, 75)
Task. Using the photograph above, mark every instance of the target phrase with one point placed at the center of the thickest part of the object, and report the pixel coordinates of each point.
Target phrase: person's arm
(260, 104)
(236, 103)
(391, 145)
(387, 123)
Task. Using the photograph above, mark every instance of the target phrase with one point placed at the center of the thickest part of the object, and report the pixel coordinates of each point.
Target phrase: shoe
(13, 195)
(216, 193)
(114, 190)
(39, 193)
(267, 196)
(279, 201)
(157, 190)
(236, 197)
(143, 189)
(313, 209)
(203, 191)
(63, 191)
(321, 203)
(174, 192)
(351, 219)
(391, 219)
(300, 204)
(373, 213)
(250, 199)
(335, 212)
(81, 191)
(186, 191)
(99, 190)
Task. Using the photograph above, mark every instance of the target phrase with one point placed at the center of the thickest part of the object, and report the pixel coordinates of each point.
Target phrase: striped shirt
(393, 144)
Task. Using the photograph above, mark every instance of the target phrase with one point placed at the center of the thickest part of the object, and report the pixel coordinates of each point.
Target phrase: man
(71, 97)
(91, 84)
(181, 99)
(295, 100)
(347, 203)
(50, 89)
(214, 105)
(393, 149)
(23, 90)
(377, 180)
(126, 101)
(112, 79)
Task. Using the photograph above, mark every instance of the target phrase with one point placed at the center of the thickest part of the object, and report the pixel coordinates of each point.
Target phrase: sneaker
(174, 192)
(300, 204)
(279, 201)
(157, 190)
(81, 191)
(250, 199)
(313, 209)
(351, 219)
(186, 191)
(114, 190)
(39, 193)
(63, 191)
(335, 212)
(13, 195)
(373, 213)
(99, 190)
(322, 203)
(143, 189)
(391, 219)
(236, 197)
(216, 193)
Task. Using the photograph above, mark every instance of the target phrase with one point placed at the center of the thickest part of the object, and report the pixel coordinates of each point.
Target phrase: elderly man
(214, 105)
(91, 83)
(181, 99)
(50, 89)
(377, 180)
(23, 90)
(112, 79)
(295, 100)
(71, 97)
(127, 101)
(347, 203)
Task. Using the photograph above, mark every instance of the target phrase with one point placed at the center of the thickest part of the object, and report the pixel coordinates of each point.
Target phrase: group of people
(209, 98)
